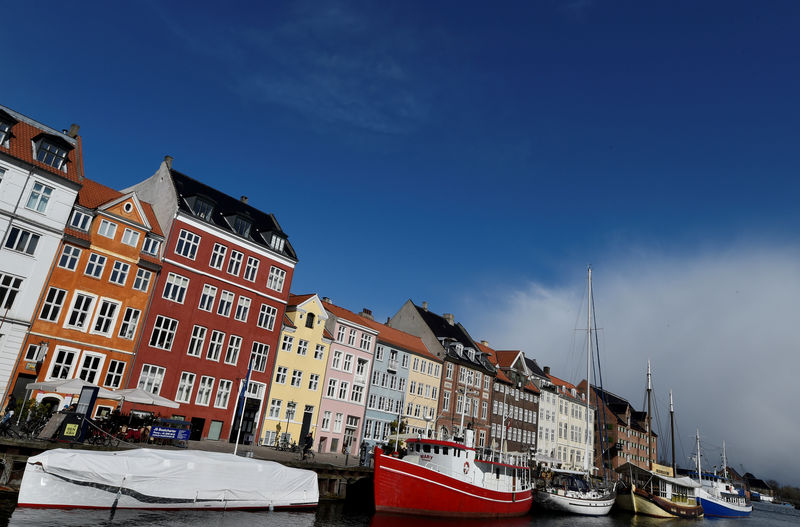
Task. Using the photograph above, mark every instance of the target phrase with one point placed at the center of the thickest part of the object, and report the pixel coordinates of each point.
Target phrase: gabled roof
(94, 195)
(569, 387)
(226, 206)
(446, 332)
(534, 368)
(25, 130)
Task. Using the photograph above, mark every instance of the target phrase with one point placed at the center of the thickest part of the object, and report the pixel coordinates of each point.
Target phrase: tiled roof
(442, 329)
(155, 227)
(75, 233)
(296, 300)
(505, 358)
(25, 130)
(288, 321)
(93, 195)
(225, 206)
(569, 386)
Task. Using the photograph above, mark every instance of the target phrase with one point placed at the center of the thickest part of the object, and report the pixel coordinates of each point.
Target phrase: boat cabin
(677, 490)
(457, 460)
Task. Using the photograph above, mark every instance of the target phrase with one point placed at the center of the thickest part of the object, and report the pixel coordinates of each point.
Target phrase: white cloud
(720, 328)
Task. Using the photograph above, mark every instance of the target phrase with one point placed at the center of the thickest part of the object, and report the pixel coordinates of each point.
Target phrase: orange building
(91, 310)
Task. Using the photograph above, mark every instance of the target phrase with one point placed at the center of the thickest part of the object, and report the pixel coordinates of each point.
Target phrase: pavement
(273, 454)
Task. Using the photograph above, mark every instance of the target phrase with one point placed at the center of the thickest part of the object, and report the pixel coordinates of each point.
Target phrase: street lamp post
(290, 406)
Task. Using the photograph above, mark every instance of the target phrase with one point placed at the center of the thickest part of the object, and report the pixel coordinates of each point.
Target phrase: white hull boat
(162, 480)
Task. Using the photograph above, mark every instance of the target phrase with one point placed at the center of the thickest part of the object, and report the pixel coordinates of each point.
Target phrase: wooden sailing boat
(656, 491)
(570, 490)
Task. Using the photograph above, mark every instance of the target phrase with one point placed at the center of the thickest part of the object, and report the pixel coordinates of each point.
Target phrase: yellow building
(422, 398)
(296, 387)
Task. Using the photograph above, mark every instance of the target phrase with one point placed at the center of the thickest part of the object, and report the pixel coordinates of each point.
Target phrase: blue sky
(476, 158)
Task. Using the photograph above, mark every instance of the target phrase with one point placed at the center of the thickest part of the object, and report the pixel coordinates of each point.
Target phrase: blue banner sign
(161, 432)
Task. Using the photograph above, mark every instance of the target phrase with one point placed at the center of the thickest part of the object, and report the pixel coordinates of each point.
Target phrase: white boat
(162, 479)
(569, 490)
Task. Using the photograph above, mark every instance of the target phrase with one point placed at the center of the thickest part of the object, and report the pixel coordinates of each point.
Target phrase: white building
(572, 434)
(40, 174)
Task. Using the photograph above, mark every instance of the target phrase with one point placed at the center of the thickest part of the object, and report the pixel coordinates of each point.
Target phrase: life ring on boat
(466, 467)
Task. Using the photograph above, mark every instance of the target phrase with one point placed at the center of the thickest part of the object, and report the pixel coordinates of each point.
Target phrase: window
(302, 347)
(130, 320)
(82, 305)
(366, 341)
(130, 237)
(326, 421)
(34, 353)
(242, 309)
(187, 244)
(232, 353)
(119, 273)
(39, 197)
(5, 133)
(217, 256)
(95, 265)
(151, 378)
(150, 246)
(404, 361)
(69, 257)
(362, 365)
(379, 353)
(175, 288)
(275, 408)
(319, 352)
(259, 355)
(348, 362)
(90, 367)
(286, 344)
(343, 386)
(297, 378)
(337, 423)
(52, 304)
(332, 383)
(114, 374)
(276, 279)
(203, 208)
(22, 241)
(142, 281)
(266, 317)
(445, 401)
(50, 154)
(204, 391)
(215, 345)
(242, 226)
(235, 263)
(276, 243)
(313, 382)
(340, 334)
(357, 395)
(280, 374)
(163, 332)
(351, 338)
(196, 341)
(337, 359)
(207, 298)
(223, 393)
(251, 269)
(62, 363)
(185, 387)
(225, 303)
(449, 371)
(107, 229)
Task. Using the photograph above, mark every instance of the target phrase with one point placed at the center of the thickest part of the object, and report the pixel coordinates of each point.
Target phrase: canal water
(344, 515)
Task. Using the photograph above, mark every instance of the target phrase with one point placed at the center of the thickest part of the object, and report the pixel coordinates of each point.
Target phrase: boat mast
(649, 421)
(699, 474)
(724, 462)
(588, 367)
(672, 432)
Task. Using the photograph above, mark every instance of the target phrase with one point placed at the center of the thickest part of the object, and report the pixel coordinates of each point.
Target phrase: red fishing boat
(444, 478)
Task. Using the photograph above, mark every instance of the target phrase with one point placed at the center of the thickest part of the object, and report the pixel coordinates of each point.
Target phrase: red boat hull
(407, 488)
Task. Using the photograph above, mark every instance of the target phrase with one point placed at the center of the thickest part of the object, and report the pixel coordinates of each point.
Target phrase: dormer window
(459, 348)
(80, 220)
(572, 391)
(242, 226)
(150, 246)
(203, 208)
(51, 154)
(471, 353)
(5, 133)
(277, 243)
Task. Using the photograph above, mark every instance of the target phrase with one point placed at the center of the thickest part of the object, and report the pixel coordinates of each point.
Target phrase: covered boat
(653, 493)
(162, 479)
(444, 478)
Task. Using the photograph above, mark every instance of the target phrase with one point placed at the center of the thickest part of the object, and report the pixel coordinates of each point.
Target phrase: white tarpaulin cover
(162, 479)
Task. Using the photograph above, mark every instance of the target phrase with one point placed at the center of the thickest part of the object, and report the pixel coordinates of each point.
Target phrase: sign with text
(162, 432)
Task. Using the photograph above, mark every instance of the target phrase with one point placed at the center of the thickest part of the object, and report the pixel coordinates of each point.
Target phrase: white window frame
(217, 256)
(163, 335)
(130, 321)
(86, 312)
(215, 343)
(197, 341)
(64, 367)
(130, 237)
(235, 262)
(204, 391)
(113, 378)
(233, 349)
(223, 393)
(183, 394)
(39, 197)
(187, 244)
(151, 378)
(242, 309)
(22, 240)
(251, 269)
(142, 280)
(107, 228)
(276, 279)
(259, 354)
(88, 372)
(97, 262)
(119, 273)
(53, 302)
(225, 303)
(175, 287)
(207, 298)
(267, 316)
(69, 258)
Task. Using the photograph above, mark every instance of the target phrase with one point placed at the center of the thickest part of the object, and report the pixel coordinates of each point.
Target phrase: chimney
(367, 313)
(243, 199)
(326, 300)
(449, 318)
(425, 306)
(485, 343)
(168, 162)
(547, 370)
(73, 130)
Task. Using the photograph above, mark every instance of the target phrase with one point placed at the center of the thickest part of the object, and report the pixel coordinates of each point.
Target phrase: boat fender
(466, 467)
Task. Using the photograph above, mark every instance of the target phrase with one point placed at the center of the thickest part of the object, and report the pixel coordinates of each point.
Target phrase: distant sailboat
(656, 491)
(570, 490)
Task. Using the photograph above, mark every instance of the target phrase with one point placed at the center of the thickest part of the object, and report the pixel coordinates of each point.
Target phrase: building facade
(300, 363)
(41, 170)
(89, 315)
(573, 435)
(344, 399)
(467, 373)
(216, 313)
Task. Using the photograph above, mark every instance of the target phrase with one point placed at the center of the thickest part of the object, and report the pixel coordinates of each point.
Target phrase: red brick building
(218, 305)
